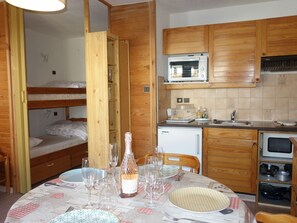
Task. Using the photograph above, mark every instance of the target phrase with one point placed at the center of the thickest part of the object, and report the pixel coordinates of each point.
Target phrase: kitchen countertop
(259, 125)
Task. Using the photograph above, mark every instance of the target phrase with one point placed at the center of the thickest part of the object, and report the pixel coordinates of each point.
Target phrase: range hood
(279, 65)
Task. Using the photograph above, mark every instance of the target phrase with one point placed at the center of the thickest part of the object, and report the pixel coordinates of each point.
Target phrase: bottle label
(129, 186)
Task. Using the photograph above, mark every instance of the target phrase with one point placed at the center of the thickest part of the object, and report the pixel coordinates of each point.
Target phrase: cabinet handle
(51, 164)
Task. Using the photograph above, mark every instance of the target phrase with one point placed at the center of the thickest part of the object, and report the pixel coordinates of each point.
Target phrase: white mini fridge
(183, 140)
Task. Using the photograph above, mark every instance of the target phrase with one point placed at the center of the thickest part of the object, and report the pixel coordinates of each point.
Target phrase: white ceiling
(69, 22)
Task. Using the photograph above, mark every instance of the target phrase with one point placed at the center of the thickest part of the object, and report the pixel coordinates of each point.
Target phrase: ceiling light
(39, 5)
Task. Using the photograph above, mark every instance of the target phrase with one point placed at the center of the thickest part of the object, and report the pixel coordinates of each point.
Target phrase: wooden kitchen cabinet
(183, 40)
(234, 53)
(230, 157)
(279, 36)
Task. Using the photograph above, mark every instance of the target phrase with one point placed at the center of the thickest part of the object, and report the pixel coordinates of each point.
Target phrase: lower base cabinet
(230, 157)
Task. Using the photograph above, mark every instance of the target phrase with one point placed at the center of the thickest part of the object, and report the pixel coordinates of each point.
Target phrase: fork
(172, 218)
(179, 176)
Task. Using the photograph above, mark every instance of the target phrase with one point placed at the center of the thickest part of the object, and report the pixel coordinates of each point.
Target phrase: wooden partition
(136, 23)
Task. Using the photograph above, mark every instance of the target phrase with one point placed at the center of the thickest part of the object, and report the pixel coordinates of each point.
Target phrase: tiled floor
(6, 200)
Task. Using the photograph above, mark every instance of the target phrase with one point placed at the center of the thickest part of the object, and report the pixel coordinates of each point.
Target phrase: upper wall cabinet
(192, 39)
(234, 53)
(279, 36)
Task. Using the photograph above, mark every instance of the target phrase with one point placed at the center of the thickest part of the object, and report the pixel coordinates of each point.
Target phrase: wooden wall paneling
(6, 112)
(20, 144)
(135, 23)
(124, 91)
(5, 116)
(164, 100)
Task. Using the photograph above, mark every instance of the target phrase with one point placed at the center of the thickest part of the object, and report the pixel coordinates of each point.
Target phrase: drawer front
(48, 169)
(76, 157)
(232, 133)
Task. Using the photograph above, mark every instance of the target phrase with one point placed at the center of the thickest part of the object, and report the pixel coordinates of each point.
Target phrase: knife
(71, 186)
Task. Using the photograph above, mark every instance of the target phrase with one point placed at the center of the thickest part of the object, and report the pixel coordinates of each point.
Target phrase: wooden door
(279, 36)
(234, 53)
(229, 156)
(191, 39)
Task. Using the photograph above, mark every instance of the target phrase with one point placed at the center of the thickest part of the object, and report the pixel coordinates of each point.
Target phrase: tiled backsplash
(274, 98)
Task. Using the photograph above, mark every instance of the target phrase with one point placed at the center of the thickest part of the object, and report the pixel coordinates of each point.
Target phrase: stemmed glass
(89, 175)
(113, 156)
(159, 154)
(151, 173)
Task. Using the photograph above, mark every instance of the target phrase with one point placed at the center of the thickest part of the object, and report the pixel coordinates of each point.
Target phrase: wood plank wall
(6, 135)
(136, 23)
(164, 99)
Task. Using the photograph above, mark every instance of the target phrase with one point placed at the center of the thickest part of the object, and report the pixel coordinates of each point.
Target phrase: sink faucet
(233, 116)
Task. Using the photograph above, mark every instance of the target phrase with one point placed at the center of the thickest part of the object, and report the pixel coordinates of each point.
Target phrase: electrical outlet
(186, 100)
(55, 113)
(54, 72)
(179, 100)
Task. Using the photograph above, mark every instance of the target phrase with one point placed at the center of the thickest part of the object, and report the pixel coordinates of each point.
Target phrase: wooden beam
(105, 3)
(86, 16)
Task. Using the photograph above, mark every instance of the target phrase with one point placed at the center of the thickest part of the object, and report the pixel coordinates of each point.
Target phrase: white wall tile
(274, 98)
(244, 93)
(244, 103)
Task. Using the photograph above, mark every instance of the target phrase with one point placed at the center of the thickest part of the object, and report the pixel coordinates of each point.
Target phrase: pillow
(34, 141)
(69, 129)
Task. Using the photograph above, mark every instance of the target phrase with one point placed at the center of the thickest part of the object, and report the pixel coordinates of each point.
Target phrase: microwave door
(279, 145)
(190, 68)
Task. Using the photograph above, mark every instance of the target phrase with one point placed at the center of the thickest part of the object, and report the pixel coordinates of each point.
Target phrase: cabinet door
(229, 156)
(103, 102)
(279, 36)
(192, 39)
(234, 52)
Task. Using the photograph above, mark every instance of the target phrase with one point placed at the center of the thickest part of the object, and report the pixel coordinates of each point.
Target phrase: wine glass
(151, 172)
(113, 156)
(159, 154)
(108, 193)
(89, 175)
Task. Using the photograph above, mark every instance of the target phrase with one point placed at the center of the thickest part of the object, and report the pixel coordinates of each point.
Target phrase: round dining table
(47, 201)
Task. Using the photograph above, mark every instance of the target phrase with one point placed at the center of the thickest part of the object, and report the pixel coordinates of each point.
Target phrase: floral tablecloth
(44, 203)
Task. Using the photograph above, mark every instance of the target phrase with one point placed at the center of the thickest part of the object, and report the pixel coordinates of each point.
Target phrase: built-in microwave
(188, 67)
(277, 144)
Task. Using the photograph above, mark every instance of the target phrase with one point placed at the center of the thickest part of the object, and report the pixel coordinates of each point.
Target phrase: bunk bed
(58, 151)
(55, 97)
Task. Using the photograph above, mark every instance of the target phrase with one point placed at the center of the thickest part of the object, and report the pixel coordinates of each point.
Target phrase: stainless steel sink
(230, 123)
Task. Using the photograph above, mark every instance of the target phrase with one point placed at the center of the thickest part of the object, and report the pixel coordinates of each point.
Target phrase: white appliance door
(183, 140)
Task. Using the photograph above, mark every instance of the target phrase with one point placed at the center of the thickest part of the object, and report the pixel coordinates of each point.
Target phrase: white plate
(199, 199)
(167, 171)
(74, 176)
(86, 216)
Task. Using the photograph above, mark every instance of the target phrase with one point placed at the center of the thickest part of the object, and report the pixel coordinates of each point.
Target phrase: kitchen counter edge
(259, 125)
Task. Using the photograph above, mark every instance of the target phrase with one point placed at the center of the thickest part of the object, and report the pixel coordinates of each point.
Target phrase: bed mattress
(52, 143)
(44, 97)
